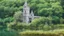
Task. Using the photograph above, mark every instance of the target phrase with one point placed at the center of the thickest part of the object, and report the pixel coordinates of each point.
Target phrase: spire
(32, 13)
(25, 4)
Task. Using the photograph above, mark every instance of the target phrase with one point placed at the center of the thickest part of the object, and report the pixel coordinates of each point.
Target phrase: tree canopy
(43, 8)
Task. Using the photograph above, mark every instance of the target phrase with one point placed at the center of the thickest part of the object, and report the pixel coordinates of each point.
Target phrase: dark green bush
(8, 33)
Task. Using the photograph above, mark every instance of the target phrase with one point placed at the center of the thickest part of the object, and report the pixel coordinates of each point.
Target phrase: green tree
(18, 17)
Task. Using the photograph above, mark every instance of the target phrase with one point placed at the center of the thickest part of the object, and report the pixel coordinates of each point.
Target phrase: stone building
(27, 15)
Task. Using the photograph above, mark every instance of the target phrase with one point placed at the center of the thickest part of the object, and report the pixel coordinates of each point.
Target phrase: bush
(19, 26)
(59, 26)
(8, 33)
(2, 25)
(47, 27)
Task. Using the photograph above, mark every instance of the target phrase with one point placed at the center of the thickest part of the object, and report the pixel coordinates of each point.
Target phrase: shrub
(47, 27)
(19, 26)
(8, 33)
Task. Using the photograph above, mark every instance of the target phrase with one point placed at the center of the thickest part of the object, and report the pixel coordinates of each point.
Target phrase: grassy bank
(57, 32)
(43, 33)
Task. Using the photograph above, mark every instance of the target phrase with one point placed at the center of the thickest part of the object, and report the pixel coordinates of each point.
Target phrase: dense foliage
(51, 12)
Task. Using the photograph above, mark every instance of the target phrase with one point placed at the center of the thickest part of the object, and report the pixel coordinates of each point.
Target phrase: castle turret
(26, 12)
(32, 15)
(27, 16)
